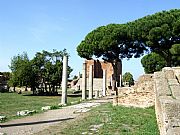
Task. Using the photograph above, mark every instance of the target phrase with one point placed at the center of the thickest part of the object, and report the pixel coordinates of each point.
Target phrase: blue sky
(35, 25)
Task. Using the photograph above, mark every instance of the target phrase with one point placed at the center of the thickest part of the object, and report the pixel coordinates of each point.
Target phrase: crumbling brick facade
(100, 65)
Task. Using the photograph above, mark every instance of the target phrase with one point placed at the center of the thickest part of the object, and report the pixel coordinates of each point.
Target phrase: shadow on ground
(32, 123)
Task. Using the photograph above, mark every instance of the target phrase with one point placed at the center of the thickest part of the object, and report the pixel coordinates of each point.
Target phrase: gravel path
(36, 123)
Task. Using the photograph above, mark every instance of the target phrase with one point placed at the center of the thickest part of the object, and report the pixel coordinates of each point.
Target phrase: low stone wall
(167, 100)
(140, 95)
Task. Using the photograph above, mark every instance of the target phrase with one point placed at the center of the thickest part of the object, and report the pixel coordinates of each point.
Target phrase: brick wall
(100, 65)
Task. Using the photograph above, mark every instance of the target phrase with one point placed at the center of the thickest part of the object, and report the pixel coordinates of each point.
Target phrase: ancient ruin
(140, 95)
(161, 89)
(98, 76)
(167, 100)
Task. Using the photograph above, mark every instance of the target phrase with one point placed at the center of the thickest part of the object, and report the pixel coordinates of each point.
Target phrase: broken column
(64, 81)
(84, 81)
(90, 81)
(104, 83)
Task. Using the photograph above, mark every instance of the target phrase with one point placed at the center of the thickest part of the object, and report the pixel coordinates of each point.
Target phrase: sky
(35, 25)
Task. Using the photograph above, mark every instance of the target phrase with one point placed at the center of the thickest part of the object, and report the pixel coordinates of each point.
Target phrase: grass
(116, 120)
(11, 103)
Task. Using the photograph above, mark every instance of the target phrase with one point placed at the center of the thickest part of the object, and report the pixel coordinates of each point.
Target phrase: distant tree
(159, 32)
(75, 77)
(43, 73)
(112, 44)
(175, 51)
(21, 71)
(49, 67)
(153, 62)
(128, 77)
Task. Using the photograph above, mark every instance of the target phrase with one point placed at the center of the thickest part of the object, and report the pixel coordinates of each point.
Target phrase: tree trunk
(26, 88)
(49, 88)
(14, 89)
(169, 59)
(53, 89)
(114, 77)
(166, 54)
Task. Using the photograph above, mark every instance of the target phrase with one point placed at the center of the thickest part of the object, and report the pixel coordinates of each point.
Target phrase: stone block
(45, 108)
(173, 82)
(161, 87)
(169, 73)
(158, 75)
(175, 91)
(177, 73)
(25, 112)
(170, 113)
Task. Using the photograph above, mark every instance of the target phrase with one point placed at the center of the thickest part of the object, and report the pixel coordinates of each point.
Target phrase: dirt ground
(50, 122)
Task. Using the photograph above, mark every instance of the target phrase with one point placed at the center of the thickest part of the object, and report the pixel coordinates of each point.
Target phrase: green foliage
(75, 77)
(21, 71)
(42, 72)
(153, 62)
(128, 77)
(175, 51)
(156, 33)
(54, 107)
(11, 103)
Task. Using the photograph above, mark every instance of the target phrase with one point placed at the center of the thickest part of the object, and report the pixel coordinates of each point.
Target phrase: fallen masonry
(45, 108)
(2, 118)
(25, 112)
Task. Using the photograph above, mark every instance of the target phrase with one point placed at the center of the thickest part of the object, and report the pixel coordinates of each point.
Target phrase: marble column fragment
(104, 82)
(64, 81)
(91, 82)
(120, 81)
(84, 87)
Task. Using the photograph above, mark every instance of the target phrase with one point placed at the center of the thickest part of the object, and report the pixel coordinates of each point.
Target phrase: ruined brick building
(100, 65)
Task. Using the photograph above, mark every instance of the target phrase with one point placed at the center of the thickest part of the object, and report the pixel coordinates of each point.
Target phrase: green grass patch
(11, 103)
(116, 120)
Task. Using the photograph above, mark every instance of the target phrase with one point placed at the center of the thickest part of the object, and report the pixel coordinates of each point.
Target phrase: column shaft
(91, 82)
(104, 82)
(64, 81)
(84, 82)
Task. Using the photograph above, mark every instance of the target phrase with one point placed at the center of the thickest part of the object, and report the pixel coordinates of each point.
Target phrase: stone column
(91, 82)
(104, 82)
(84, 81)
(64, 81)
(120, 81)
